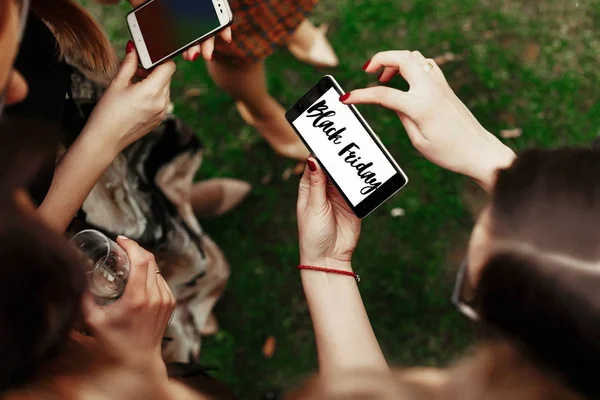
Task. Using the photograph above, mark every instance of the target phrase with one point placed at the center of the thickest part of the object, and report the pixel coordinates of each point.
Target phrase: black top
(48, 80)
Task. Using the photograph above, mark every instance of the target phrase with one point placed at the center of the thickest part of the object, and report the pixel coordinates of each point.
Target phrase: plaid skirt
(260, 27)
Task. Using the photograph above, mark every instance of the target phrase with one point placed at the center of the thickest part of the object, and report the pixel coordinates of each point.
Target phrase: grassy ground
(523, 64)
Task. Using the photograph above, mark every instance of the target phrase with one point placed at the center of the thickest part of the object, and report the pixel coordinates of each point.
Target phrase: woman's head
(12, 84)
(534, 258)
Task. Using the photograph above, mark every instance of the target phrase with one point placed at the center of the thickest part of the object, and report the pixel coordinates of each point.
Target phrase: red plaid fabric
(260, 27)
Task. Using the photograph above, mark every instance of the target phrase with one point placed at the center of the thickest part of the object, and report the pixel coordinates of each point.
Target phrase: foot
(215, 197)
(309, 45)
(277, 132)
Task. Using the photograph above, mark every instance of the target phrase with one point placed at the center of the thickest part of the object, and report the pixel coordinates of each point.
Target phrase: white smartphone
(163, 29)
(351, 154)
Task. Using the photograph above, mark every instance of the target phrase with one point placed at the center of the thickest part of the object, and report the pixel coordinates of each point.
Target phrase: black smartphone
(351, 154)
(163, 29)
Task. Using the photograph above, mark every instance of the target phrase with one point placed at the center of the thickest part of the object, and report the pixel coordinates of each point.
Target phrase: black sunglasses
(458, 300)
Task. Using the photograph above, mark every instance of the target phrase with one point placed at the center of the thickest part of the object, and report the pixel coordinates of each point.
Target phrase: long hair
(41, 279)
(541, 288)
(81, 39)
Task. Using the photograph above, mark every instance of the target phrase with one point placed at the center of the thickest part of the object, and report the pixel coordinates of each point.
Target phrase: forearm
(344, 336)
(75, 176)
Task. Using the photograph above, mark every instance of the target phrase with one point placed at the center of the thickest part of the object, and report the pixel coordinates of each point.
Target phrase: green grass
(525, 64)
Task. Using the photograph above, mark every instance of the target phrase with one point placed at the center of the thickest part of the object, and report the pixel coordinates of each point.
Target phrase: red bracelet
(331, 271)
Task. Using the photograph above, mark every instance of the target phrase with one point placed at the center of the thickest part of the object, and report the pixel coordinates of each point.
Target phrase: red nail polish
(344, 97)
(130, 46)
(366, 65)
(311, 165)
(195, 57)
(380, 75)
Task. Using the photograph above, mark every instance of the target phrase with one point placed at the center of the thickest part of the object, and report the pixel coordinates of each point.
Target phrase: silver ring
(428, 67)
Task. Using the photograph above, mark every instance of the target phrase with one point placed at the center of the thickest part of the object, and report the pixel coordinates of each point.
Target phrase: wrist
(327, 262)
(100, 147)
(498, 157)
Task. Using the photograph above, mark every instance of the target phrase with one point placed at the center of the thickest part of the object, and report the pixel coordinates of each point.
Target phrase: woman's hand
(438, 124)
(130, 109)
(207, 47)
(131, 329)
(327, 227)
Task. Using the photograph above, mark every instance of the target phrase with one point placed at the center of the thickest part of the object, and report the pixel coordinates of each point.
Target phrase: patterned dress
(260, 27)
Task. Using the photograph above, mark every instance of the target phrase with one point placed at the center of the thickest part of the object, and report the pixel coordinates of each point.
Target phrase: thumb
(304, 189)
(128, 68)
(317, 196)
(92, 312)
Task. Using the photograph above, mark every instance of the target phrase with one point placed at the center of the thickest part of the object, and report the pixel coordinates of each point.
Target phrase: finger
(387, 74)
(138, 264)
(152, 276)
(394, 99)
(412, 130)
(128, 68)
(193, 53)
(304, 189)
(402, 60)
(165, 292)
(161, 75)
(226, 35)
(208, 46)
(317, 196)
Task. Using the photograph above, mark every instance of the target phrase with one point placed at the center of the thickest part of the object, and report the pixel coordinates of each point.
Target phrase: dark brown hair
(41, 282)
(81, 39)
(542, 289)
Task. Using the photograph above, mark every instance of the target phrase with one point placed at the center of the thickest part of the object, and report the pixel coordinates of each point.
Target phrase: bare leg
(248, 86)
(309, 45)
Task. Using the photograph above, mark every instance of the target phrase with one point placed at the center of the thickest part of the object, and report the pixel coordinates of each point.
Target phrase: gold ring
(158, 271)
(428, 67)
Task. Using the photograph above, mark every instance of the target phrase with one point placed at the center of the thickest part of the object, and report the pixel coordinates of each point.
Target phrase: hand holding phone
(350, 153)
(162, 29)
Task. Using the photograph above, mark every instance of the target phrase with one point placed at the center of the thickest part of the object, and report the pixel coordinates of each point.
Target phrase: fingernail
(366, 65)
(122, 237)
(344, 97)
(130, 46)
(311, 165)
(195, 56)
(380, 75)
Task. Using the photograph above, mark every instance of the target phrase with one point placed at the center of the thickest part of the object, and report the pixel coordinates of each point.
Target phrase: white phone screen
(344, 147)
(169, 25)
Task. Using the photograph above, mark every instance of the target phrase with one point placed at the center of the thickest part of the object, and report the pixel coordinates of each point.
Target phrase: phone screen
(344, 147)
(169, 25)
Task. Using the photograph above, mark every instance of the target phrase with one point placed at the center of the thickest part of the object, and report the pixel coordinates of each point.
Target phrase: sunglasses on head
(462, 298)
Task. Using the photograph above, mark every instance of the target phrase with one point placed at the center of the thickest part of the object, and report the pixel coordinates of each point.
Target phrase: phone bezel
(389, 188)
(145, 59)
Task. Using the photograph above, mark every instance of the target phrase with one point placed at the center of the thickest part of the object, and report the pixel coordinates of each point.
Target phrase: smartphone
(350, 153)
(163, 29)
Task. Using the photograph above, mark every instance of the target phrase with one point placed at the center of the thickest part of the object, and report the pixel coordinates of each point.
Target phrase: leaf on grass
(287, 173)
(446, 58)
(269, 347)
(266, 179)
(192, 92)
(511, 133)
(299, 168)
(397, 212)
(531, 53)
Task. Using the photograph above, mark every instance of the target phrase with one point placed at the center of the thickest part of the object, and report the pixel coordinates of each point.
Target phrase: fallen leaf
(269, 347)
(193, 92)
(446, 58)
(287, 173)
(397, 212)
(266, 179)
(532, 53)
(511, 133)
